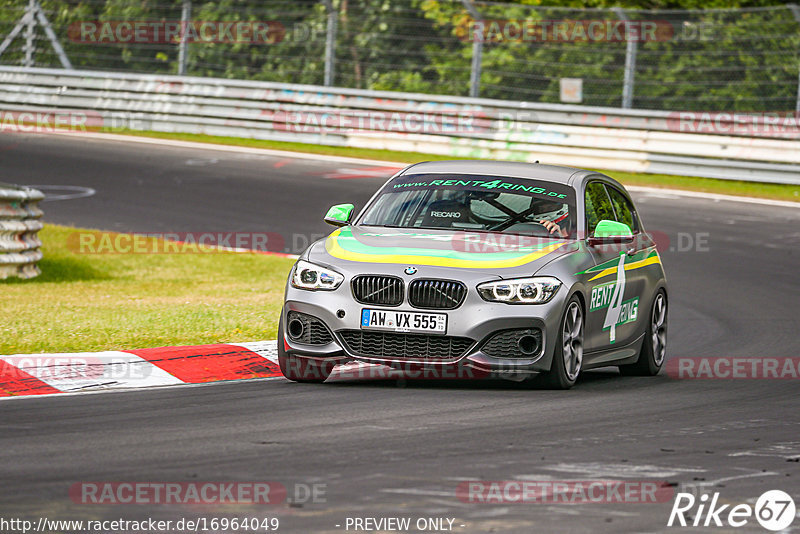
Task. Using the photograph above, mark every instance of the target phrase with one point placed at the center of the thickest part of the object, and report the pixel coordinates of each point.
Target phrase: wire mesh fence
(701, 60)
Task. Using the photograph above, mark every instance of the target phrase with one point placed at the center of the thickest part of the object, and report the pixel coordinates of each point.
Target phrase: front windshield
(475, 203)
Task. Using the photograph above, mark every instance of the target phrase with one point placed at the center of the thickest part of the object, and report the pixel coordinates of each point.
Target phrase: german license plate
(403, 321)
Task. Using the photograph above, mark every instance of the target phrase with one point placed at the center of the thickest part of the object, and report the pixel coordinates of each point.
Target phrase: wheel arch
(581, 297)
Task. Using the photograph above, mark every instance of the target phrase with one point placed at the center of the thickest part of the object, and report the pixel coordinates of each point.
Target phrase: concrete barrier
(732, 146)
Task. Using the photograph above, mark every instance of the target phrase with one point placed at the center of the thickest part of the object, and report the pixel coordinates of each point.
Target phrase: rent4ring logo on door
(610, 295)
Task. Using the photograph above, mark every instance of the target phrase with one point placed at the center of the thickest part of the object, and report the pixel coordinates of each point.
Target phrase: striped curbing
(44, 374)
(29, 375)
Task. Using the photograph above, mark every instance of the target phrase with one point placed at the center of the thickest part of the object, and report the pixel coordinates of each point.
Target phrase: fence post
(630, 62)
(477, 49)
(30, 33)
(48, 30)
(796, 12)
(33, 13)
(186, 15)
(330, 44)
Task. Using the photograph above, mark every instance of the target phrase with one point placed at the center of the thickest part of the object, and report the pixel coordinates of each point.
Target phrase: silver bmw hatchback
(468, 269)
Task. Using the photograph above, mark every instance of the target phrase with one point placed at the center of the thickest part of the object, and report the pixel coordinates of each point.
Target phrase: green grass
(87, 302)
(708, 185)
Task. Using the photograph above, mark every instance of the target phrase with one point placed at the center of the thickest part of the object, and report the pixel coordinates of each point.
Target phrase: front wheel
(568, 354)
(654, 345)
(298, 368)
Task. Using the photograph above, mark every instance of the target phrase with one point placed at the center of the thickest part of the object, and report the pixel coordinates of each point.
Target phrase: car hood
(389, 250)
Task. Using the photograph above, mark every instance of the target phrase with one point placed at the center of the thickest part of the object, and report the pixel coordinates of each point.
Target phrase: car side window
(623, 208)
(598, 206)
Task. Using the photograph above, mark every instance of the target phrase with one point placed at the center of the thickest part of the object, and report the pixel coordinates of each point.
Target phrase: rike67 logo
(774, 510)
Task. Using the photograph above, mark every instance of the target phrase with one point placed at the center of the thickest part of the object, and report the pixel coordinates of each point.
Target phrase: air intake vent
(404, 346)
(307, 329)
(436, 294)
(522, 343)
(380, 290)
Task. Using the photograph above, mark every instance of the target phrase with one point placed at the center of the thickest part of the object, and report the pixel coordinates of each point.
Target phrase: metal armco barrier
(19, 223)
(736, 147)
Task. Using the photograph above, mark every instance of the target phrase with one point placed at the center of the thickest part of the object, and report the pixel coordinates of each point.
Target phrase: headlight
(309, 276)
(536, 290)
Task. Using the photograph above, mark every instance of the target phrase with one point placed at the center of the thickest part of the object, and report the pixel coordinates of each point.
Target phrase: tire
(568, 354)
(299, 369)
(654, 345)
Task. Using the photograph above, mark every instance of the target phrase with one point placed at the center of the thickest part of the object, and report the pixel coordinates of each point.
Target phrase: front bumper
(475, 319)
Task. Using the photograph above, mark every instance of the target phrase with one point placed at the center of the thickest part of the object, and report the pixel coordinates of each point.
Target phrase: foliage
(740, 55)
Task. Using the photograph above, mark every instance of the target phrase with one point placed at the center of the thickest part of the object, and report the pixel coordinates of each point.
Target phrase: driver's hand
(552, 227)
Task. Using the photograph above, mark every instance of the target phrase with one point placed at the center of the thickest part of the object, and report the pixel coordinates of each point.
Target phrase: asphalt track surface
(395, 448)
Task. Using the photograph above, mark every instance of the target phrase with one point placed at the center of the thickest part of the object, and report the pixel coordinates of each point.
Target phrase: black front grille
(506, 344)
(405, 346)
(438, 294)
(314, 331)
(380, 290)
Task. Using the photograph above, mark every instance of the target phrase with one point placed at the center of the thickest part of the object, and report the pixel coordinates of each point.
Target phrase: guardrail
(19, 223)
(738, 147)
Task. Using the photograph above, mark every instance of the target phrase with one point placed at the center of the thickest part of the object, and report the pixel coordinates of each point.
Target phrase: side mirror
(611, 232)
(339, 215)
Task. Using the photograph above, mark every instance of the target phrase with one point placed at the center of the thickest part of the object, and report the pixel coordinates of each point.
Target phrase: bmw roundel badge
(410, 270)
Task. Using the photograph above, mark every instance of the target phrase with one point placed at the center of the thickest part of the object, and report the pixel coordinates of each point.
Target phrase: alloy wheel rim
(572, 341)
(658, 328)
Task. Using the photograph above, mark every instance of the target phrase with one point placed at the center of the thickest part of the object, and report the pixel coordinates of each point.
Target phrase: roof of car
(553, 173)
